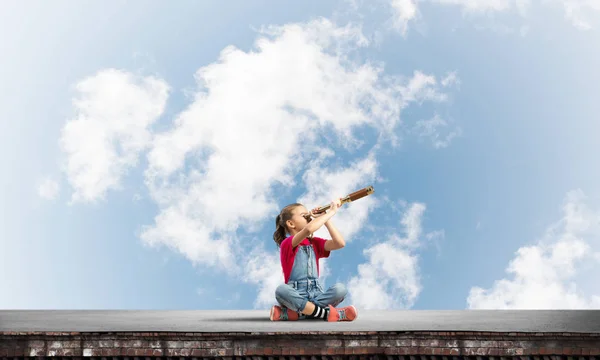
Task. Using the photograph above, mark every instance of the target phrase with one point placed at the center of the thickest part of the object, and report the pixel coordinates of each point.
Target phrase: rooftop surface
(587, 321)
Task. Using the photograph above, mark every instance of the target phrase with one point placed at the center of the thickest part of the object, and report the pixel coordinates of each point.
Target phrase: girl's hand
(336, 204)
(333, 207)
(316, 215)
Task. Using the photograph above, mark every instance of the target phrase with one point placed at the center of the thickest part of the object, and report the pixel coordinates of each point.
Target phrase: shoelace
(284, 314)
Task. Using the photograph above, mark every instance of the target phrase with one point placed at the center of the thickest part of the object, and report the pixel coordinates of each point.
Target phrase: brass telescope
(349, 198)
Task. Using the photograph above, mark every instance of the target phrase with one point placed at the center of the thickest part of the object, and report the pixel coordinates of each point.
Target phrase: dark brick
(489, 344)
(36, 344)
(224, 343)
(396, 351)
(200, 352)
(471, 343)
(429, 343)
(174, 344)
(106, 343)
(333, 343)
(360, 343)
(494, 352)
(88, 344)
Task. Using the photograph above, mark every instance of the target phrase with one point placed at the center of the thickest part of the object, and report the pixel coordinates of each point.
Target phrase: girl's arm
(314, 225)
(337, 240)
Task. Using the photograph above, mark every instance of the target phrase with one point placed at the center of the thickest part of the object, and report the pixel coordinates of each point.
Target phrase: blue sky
(149, 148)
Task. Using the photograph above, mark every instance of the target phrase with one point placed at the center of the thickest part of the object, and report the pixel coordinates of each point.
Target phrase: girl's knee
(283, 291)
(288, 297)
(340, 290)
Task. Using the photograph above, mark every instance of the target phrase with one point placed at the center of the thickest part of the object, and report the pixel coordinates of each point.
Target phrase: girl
(302, 294)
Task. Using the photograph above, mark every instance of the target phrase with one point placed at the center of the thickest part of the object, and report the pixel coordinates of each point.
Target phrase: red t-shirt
(288, 254)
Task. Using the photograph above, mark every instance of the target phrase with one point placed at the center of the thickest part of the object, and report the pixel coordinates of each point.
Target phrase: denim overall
(304, 285)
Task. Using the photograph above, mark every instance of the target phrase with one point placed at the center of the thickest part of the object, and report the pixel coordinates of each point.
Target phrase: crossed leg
(297, 301)
(333, 296)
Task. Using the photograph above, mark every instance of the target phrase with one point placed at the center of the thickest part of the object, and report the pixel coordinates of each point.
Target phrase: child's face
(298, 220)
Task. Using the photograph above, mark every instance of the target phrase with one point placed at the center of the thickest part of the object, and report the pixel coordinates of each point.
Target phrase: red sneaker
(347, 313)
(279, 314)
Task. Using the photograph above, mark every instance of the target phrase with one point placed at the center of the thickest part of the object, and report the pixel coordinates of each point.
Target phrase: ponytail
(279, 234)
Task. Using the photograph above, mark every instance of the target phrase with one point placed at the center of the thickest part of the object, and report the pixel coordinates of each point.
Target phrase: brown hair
(281, 229)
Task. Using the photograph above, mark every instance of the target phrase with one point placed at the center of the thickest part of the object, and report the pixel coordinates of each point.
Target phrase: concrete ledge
(586, 321)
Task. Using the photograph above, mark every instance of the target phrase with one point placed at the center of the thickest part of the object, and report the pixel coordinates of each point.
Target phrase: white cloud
(48, 189)
(114, 110)
(579, 12)
(474, 6)
(390, 279)
(552, 273)
(431, 129)
(450, 79)
(264, 269)
(582, 14)
(404, 11)
(327, 183)
(257, 119)
(422, 87)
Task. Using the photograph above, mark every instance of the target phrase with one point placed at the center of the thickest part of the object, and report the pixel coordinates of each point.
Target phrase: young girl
(302, 294)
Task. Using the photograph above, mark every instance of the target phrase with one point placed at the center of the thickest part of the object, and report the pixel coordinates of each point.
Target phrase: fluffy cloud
(480, 5)
(580, 13)
(264, 268)
(257, 120)
(404, 11)
(257, 123)
(327, 183)
(551, 274)
(432, 129)
(450, 79)
(390, 278)
(48, 189)
(114, 110)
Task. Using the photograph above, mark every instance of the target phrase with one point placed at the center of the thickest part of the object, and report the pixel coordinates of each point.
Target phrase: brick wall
(445, 345)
